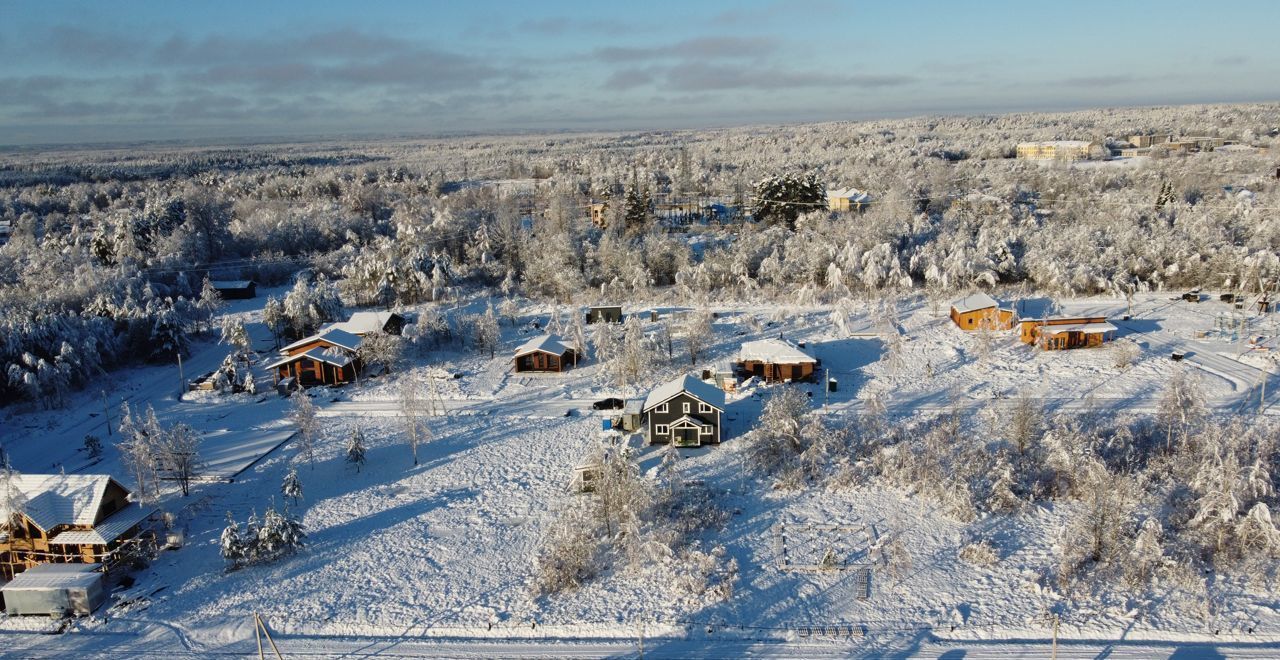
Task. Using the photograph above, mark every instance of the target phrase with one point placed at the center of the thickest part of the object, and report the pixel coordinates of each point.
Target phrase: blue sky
(118, 71)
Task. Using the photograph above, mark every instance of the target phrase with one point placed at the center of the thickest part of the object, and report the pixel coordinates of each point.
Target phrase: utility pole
(182, 380)
(1055, 637)
(106, 412)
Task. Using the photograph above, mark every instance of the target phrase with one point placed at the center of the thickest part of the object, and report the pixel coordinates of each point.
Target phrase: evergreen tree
(291, 488)
(355, 448)
(785, 198)
(93, 446)
(232, 543)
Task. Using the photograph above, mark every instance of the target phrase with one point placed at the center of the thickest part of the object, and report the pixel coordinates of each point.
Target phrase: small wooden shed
(235, 289)
(1063, 332)
(604, 313)
(775, 360)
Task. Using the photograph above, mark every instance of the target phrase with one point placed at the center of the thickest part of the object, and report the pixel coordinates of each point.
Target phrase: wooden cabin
(68, 518)
(604, 314)
(235, 289)
(776, 360)
(327, 358)
(1063, 332)
(547, 353)
(685, 411)
(980, 312)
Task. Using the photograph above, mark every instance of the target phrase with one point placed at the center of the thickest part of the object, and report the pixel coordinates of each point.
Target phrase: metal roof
(62, 499)
(332, 335)
(54, 576)
(108, 530)
(1087, 328)
(704, 392)
(319, 354)
(364, 323)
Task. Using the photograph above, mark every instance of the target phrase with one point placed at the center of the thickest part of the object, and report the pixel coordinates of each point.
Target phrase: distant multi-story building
(1141, 141)
(1057, 150)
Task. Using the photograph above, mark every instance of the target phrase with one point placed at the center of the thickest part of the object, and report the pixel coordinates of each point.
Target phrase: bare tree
(303, 415)
(697, 334)
(180, 455)
(411, 409)
(1182, 405)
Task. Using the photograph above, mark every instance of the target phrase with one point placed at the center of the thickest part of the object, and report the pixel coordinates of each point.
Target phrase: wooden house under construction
(1063, 332)
(776, 360)
(547, 353)
(980, 312)
(68, 518)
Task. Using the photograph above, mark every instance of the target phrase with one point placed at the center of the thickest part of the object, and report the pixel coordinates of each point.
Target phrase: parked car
(611, 403)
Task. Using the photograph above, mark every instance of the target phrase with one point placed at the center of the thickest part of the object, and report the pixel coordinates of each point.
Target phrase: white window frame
(662, 408)
(661, 429)
(686, 407)
(704, 431)
(704, 407)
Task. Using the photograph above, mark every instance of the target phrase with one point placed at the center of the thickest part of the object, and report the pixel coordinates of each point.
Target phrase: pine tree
(232, 543)
(355, 448)
(303, 415)
(93, 446)
(273, 317)
(291, 488)
(210, 302)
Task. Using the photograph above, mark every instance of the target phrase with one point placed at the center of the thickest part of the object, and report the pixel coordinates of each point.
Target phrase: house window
(705, 430)
(661, 429)
(663, 408)
(686, 408)
(704, 408)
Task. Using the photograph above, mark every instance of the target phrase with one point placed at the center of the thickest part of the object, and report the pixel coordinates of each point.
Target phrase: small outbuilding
(1063, 332)
(235, 289)
(362, 324)
(980, 312)
(548, 353)
(604, 313)
(776, 360)
(55, 589)
(632, 415)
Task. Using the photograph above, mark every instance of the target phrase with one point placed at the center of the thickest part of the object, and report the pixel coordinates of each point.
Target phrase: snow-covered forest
(109, 249)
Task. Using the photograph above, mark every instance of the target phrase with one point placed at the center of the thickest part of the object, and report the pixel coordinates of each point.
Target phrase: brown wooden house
(776, 360)
(327, 358)
(1063, 332)
(68, 518)
(547, 353)
(980, 312)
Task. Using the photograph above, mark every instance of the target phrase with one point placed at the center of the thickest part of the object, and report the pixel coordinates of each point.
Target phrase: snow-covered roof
(230, 284)
(364, 323)
(108, 530)
(773, 351)
(851, 194)
(55, 576)
(974, 302)
(604, 306)
(1087, 328)
(319, 354)
(62, 499)
(336, 336)
(633, 407)
(704, 392)
(545, 344)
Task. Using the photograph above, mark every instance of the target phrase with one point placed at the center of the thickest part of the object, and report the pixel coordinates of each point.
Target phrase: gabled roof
(686, 420)
(336, 336)
(773, 351)
(364, 323)
(545, 344)
(704, 392)
(108, 530)
(319, 354)
(62, 499)
(974, 302)
(851, 194)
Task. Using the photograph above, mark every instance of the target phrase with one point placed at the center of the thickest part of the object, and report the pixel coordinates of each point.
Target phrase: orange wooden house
(327, 358)
(980, 312)
(1063, 332)
(67, 518)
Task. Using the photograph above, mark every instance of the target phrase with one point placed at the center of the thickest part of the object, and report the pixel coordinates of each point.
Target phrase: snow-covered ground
(436, 558)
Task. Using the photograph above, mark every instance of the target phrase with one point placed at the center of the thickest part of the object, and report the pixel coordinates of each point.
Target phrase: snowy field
(437, 558)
